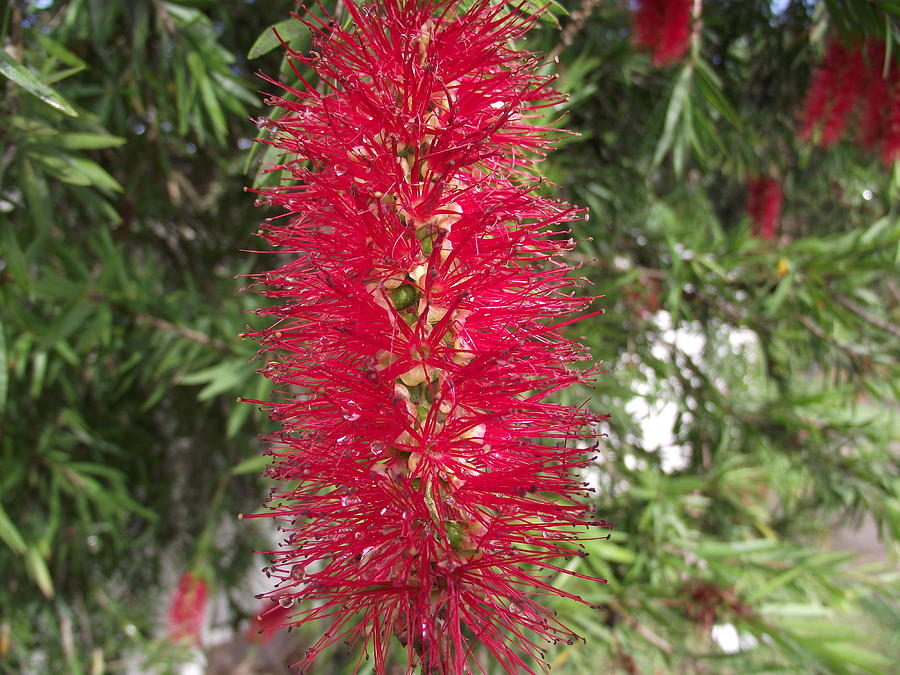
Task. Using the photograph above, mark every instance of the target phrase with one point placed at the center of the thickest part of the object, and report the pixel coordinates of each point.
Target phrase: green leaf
(774, 301)
(85, 141)
(23, 77)
(4, 371)
(10, 534)
(677, 101)
(252, 465)
(846, 653)
(14, 256)
(76, 170)
(737, 549)
(219, 378)
(58, 51)
(710, 86)
(609, 551)
(37, 568)
(288, 29)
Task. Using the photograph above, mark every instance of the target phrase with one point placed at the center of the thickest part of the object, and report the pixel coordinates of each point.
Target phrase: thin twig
(166, 326)
(577, 22)
(820, 333)
(866, 315)
(187, 333)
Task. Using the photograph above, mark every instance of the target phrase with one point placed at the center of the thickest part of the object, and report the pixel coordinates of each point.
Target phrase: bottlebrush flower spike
(663, 27)
(764, 197)
(429, 482)
(187, 610)
(854, 81)
(832, 93)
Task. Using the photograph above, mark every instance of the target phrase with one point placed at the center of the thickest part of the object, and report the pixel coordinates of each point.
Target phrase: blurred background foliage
(753, 382)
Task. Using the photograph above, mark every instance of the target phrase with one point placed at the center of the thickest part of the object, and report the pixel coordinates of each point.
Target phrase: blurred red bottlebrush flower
(764, 199)
(890, 145)
(704, 603)
(877, 104)
(663, 27)
(273, 615)
(187, 609)
(429, 481)
(854, 80)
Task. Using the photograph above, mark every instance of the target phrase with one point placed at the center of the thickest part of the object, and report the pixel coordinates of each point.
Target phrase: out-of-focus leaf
(10, 534)
(13, 255)
(710, 86)
(288, 30)
(37, 568)
(57, 50)
(853, 654)
(250, 465)
(219, 378)
(717, 549)
(75, 170)
(87, 141)
(610, 551)
(679, 97)
(19, 74)
(4, 370)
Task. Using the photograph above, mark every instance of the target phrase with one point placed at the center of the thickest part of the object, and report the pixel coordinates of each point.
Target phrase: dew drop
(297, 572)
(340, 170)
(351, 414)
(286, 601)
(349, 500)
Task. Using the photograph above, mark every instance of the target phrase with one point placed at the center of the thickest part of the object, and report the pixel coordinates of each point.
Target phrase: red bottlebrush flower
(854, 81)
(833, 93)
(890, 142)
(764, 199)
(429, 481)
(187, 609)
(848, 86)
(877, 91)
(663, 27)
(822, 89)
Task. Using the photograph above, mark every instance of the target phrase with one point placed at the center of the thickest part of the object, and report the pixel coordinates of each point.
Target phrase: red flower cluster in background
(854, 81)
(663, 27)
(764, 199)
(430, 484)
(187, 610)
(271, 618)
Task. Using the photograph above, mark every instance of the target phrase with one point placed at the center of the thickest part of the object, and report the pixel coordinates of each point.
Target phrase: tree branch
(866, 315)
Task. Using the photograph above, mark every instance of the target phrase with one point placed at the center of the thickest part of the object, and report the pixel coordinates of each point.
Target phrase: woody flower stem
(429, 485)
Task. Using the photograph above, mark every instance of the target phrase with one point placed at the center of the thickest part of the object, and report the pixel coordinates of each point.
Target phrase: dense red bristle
(416, 338)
